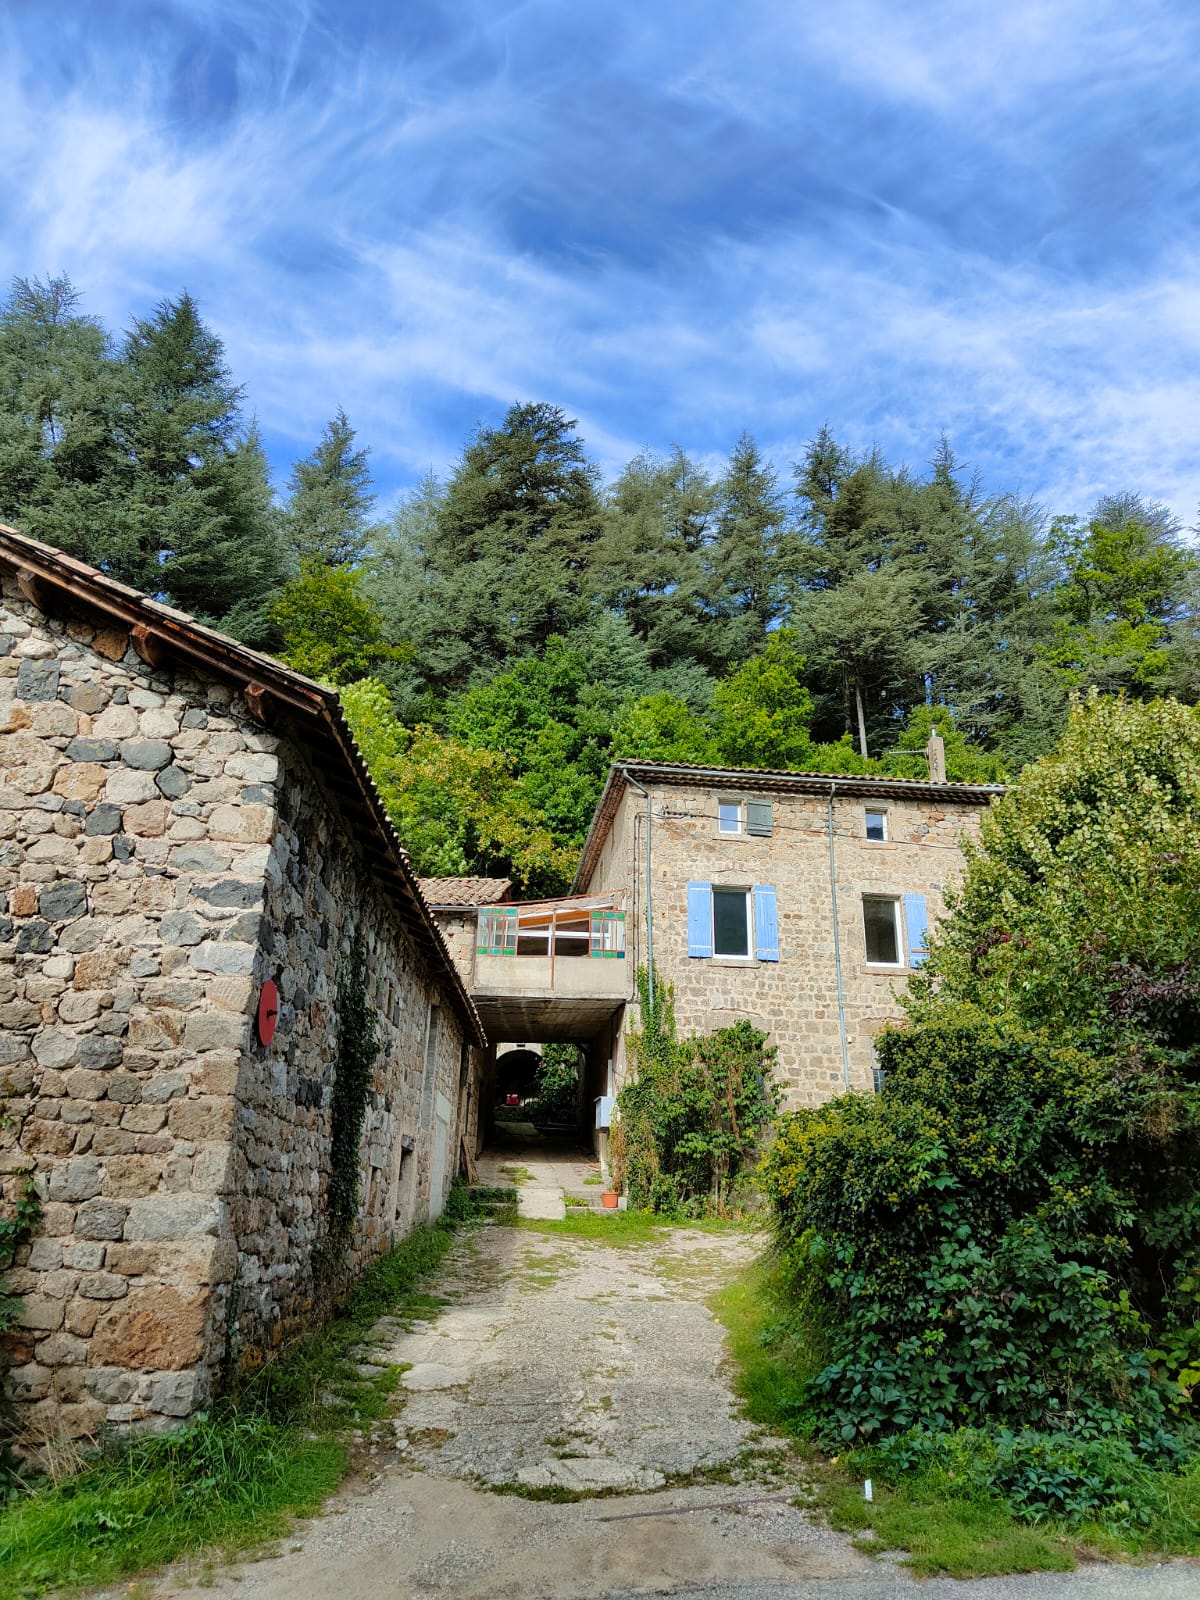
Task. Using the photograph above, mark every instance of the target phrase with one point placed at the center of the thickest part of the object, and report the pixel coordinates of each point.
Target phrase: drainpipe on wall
(837, 947)
(649, 886)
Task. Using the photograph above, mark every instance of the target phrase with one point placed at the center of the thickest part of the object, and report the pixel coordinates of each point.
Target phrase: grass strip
(624, 1228)
(222, 1481)
(234, 1478)
(945, 1525)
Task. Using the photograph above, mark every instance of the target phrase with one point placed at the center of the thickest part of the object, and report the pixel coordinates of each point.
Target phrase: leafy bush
(459, 810)
(1007, 1239)
(694, 1113)
(1080, 910)
(982, 1233)
(557, 1085)
(1041, 1475)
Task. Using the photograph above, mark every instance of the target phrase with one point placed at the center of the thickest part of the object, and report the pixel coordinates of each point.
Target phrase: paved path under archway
(545, 1171)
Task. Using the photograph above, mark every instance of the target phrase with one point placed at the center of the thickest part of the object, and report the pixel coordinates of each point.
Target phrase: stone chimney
(935, 750)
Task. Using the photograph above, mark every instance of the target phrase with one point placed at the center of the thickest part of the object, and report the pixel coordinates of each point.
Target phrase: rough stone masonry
(180, 822)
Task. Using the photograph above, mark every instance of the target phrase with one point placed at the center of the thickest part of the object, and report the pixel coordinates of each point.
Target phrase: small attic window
(877, 826)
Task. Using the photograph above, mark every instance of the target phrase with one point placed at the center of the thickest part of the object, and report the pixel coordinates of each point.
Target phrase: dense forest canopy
(505, 634)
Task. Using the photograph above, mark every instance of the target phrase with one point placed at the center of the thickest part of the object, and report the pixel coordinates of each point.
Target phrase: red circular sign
(268, 1012)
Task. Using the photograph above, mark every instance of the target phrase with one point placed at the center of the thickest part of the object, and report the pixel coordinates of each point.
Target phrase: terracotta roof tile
(466, 891)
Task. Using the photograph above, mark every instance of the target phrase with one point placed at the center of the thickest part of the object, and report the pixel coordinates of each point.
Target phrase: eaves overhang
(273, 693)
(764, 781)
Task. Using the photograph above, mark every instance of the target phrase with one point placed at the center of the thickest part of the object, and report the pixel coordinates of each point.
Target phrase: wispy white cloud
(898, 218)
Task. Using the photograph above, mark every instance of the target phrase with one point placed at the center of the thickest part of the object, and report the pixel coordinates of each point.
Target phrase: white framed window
(877, 828)
(752, 817)
(731, 922)
(881, 930)
(729, 816)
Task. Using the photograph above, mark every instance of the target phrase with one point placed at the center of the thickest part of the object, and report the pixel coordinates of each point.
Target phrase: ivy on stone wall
(357, 1047)
(694, 1113)
(18, 1218)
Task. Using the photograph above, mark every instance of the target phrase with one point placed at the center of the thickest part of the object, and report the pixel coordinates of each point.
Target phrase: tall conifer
(197, 522)
(515, 536)
(327, 515)
(60, 458)
(745, 593)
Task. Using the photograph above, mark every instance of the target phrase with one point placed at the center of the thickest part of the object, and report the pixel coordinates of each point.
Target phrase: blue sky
(676, 220)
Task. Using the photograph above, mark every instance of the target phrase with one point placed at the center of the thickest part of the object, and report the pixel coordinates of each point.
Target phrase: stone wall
(153, 870)
(317, 893)
(458, 931)
(795, 998)
(124, 996)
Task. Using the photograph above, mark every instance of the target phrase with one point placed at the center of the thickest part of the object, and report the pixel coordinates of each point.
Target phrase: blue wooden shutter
(766, 923)
(700, 919)
(917, 923)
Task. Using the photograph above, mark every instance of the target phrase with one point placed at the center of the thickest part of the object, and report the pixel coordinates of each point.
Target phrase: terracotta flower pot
(609, 1199)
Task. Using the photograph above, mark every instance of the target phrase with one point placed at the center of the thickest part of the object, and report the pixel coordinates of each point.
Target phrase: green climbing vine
(694, 1113)
(357, 1047)
(18, 1218)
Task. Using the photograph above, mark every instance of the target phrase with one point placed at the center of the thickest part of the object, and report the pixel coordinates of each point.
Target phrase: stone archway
(517, 1072)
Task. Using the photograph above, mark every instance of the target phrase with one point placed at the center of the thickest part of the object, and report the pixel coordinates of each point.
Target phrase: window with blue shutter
(916, 922)
(700, 919)
(731, 923)
(766, 923)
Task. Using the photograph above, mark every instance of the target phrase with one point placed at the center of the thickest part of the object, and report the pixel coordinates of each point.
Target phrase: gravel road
(561, 1367)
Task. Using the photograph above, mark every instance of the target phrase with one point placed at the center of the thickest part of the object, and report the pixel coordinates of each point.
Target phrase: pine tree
(197, 521)
(399, 578)
(60, 458)
(745, 590)
(515, 537)
(857, 593)
(649, 567)
(327, 516)
(1127, 585)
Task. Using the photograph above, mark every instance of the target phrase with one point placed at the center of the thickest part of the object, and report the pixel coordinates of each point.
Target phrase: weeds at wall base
(233, 1479)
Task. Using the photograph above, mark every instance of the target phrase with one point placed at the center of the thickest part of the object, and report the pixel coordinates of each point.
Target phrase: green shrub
(1041, 1475)
(981, 1233)
(694, 1113)
(557, 1085)
(1003, 1246)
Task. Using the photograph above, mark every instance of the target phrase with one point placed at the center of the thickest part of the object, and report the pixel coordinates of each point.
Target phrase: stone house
(798, 901)
(190, 850)
(795, 900)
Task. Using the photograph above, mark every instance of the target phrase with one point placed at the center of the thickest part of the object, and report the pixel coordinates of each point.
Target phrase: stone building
(191, 850)
(795, 900)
